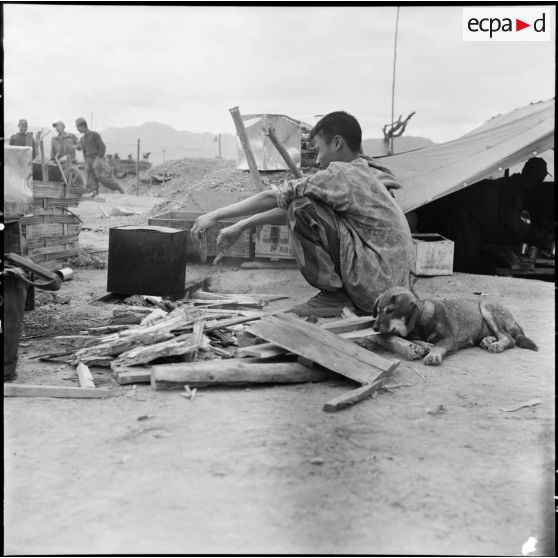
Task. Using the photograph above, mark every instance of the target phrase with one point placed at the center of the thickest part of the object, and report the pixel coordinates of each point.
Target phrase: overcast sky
(187, 65)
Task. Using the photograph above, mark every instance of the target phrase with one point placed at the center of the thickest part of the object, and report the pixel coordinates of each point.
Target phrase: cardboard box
(272, 241)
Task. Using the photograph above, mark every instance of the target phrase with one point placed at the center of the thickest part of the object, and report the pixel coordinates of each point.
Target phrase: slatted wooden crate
(185, 220)
(52, 232)
(433, 254)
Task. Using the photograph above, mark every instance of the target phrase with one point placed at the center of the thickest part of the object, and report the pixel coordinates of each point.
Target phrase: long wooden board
(323, 347)
(31, 390)
(232, 372)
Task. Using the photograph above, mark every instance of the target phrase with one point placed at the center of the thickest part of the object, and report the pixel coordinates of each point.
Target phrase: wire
(393, 82)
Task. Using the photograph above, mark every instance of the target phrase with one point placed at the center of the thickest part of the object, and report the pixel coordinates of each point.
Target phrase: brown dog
(449, 324)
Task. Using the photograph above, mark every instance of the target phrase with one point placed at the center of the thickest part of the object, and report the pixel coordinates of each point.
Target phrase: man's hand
(228, 235)
(202, 225)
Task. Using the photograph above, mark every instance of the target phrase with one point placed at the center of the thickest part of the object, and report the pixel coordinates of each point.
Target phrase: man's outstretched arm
(260, 203)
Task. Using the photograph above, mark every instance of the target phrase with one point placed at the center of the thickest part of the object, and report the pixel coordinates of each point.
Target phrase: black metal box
(147, 260)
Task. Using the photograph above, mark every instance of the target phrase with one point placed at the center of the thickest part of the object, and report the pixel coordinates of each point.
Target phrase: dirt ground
(264, 469)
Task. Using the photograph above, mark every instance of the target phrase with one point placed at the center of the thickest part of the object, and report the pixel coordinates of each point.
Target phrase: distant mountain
(156, 137)
(166, 143)
(375, 147)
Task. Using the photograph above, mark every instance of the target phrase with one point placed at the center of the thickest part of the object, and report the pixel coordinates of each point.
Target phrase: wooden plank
(55, 202)
(44, 241)
(353, 396)
(232, 372)
(55, 255)
(84, 376)
(227, 323)
(31, 390)
(269, 350)
(50, 251)
(323, 347)
(48, 219)
(399, 346)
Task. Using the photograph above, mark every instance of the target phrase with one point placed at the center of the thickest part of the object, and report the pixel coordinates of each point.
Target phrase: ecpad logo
(506, 24)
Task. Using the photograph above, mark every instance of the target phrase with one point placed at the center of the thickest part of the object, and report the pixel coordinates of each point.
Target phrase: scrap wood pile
(229, 339)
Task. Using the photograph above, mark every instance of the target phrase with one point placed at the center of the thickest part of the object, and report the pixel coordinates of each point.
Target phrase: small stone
(317, 461)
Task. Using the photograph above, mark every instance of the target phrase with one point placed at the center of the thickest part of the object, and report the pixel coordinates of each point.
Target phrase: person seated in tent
(350, 238)
(495, 212)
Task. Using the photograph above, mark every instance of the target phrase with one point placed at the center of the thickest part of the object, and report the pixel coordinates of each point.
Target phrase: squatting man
(350, 238)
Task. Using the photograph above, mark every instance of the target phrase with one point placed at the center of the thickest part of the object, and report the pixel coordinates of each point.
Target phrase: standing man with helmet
(63, 150)
(96, 166)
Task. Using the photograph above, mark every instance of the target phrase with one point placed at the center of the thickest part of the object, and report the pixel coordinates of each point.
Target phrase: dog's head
(395, 311)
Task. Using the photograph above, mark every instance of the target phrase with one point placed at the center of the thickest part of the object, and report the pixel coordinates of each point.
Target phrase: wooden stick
(232, 372)
(352, 397)
(270, 133)
(197, 337)
(44, 168)
(349, 324)
(76, 340)
(132, 375)
(84, 376)
(107, 329)
(31, 390)
(400, 346)
(241, 132)
(142, 355)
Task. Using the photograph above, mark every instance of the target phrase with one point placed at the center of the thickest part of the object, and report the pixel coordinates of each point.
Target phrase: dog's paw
(487, 342)
(496, 347)
(432, 359)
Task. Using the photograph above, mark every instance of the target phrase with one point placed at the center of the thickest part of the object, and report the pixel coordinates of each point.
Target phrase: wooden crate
(433, 254)
(51, 235)
(272, 241)
(184, 220)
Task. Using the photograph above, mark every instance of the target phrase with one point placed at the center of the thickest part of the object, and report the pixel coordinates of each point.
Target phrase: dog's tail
(526, 343)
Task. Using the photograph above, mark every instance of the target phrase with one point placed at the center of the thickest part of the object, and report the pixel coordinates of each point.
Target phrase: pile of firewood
(223, 339)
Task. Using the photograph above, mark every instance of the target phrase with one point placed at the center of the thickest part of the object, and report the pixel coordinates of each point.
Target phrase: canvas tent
(504, 141)
(288, 132)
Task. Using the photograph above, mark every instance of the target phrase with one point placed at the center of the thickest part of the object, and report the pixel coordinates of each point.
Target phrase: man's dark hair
(342, 124)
